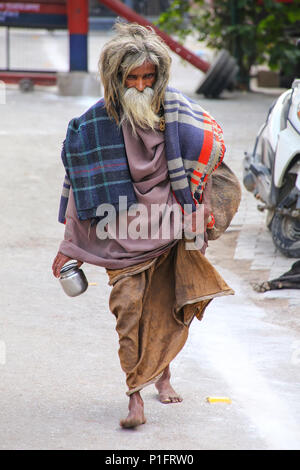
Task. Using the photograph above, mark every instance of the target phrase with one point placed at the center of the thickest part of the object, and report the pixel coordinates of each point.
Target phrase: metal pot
(73, 280)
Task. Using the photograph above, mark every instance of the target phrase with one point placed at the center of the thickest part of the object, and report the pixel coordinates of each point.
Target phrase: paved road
(61, 385)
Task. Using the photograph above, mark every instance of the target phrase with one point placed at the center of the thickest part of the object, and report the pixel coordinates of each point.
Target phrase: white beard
(137, 108)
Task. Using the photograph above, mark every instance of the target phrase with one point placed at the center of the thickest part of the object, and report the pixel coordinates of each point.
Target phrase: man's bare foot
(166, 392)
(136, 412)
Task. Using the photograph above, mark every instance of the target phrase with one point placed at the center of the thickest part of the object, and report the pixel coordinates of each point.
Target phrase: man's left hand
(59, 261)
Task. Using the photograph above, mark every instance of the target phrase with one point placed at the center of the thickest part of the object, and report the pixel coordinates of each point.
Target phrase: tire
(286, 229)
(26, 85)
(286, 235)
(207, 86)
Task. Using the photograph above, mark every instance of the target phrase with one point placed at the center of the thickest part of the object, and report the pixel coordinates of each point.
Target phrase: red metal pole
(77, 11)
(126, 12)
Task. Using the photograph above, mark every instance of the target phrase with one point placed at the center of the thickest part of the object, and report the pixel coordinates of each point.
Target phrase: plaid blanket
(96, 165)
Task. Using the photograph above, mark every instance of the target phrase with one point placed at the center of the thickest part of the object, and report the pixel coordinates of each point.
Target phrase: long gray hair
(130, 48)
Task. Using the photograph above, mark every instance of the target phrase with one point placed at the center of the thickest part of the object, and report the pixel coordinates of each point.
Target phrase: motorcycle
(272, 170)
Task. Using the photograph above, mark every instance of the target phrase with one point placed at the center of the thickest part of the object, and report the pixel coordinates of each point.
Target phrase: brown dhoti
(154, 303)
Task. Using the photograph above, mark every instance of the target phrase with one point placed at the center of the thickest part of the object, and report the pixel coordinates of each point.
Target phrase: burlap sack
(225, 199)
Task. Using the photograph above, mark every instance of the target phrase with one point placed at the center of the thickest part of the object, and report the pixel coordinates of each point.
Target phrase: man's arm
(196, 222)
(207, 212)
(207, 201)
(204, 209)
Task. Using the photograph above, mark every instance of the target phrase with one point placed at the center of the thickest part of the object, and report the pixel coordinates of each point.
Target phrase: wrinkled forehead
(134, 61)
(145, 68)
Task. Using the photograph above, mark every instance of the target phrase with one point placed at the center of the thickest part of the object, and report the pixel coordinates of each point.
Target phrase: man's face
(141, 77)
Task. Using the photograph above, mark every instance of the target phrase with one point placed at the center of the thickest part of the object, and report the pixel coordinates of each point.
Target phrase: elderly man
(137, 163)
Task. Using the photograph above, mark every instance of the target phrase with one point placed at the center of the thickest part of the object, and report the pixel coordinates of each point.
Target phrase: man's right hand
(59, 261)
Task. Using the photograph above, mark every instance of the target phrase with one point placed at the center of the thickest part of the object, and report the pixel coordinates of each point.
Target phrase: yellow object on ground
(218, 399)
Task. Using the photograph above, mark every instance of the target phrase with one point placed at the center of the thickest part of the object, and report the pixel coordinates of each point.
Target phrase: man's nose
(140, 84)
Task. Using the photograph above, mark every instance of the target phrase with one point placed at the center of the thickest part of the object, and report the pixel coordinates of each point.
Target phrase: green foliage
(253, 31)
